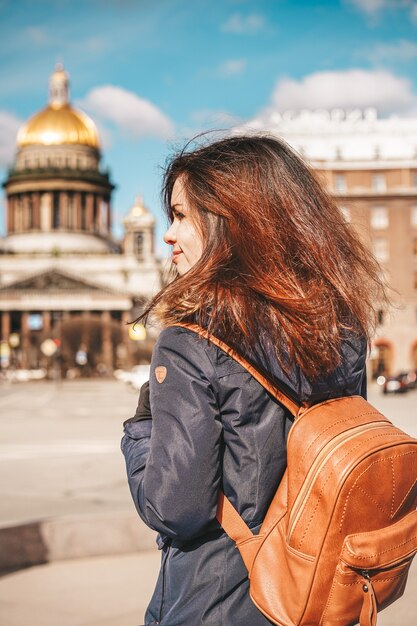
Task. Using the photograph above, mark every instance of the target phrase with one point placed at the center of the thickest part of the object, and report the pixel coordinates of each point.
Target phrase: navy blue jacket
(214, 427)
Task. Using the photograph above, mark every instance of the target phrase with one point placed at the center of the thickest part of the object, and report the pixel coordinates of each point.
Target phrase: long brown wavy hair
(278, 255)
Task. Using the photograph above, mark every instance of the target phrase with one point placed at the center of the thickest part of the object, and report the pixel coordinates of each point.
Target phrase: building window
(379, 182)
(139, 245)
(381, 250)
(346, 214)
(340, 183)
(379, 218)
(413, 217)
(381, 364)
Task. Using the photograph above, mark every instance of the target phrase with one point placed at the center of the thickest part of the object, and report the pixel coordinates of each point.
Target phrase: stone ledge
(45, 541)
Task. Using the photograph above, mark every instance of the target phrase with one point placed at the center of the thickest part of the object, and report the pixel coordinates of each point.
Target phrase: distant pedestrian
(265, 262)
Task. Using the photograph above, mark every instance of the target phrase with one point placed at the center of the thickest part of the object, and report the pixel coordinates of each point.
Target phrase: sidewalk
(101, 591)
(63, 486)
(66, 507)
(114, 591)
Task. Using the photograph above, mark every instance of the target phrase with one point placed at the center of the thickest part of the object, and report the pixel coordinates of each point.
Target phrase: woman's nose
(169, 236)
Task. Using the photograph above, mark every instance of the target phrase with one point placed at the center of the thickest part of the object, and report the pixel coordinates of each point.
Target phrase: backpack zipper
(319, 462)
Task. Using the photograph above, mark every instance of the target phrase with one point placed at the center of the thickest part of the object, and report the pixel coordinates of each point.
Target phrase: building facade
(62, 273)
(370, 166)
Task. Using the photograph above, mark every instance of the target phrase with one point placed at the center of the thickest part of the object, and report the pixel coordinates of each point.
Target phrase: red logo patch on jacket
(160, 373)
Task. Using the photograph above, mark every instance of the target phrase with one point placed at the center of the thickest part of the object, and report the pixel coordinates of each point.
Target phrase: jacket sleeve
(173, 460)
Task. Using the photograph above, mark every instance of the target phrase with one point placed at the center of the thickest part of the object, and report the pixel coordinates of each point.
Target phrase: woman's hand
(143, 411)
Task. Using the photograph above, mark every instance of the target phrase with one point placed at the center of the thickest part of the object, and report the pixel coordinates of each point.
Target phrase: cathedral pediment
(54, 281)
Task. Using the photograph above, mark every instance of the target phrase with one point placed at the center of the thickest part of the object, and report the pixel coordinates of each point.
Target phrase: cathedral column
(14, 213)
(5, 325)
(46, 322)
(126, 317)
(18, 214)
(25, 342)
(126, 342)
(36, 208)
(10, 214)
(89, 208)
(70, 211)
(98, 220)
(106, 343)
(46, 212)
(23, 213)
(26, 212)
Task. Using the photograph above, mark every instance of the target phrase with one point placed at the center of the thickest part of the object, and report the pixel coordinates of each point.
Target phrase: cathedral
(63, 276)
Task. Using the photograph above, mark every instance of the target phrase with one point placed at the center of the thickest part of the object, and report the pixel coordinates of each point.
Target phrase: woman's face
(183, 234)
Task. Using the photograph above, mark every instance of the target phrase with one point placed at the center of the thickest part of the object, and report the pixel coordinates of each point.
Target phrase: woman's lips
(175, 255)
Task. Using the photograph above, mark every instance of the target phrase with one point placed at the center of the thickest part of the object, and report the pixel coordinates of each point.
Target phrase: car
(135, 377)
(396, 384)
(412, 379)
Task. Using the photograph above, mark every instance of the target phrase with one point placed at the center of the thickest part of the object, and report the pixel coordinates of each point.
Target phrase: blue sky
(154, 73)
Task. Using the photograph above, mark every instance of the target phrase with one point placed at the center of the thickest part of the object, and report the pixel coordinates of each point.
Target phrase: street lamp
(137, 332)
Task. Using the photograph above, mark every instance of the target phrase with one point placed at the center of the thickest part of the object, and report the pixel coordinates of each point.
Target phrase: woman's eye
(179, 215)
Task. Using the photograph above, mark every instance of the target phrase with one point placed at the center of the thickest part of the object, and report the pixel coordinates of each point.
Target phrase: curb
(45, 541)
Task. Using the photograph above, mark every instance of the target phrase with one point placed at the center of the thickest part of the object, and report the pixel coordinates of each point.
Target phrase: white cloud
(355, 88)
(403, 50)
(43, 38)
(232, 67)
(37, 35)
(239, 24)
(373, 7)
(95, 45)
(370, 7)
(9, 125)
(211, 121)
(129, 112)
(209, 118)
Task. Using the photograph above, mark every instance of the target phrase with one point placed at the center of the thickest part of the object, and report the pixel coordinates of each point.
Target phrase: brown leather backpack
(341, 531)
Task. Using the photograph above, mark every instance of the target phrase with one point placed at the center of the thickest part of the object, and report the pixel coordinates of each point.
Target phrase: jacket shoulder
(183, 344)
(197, 350)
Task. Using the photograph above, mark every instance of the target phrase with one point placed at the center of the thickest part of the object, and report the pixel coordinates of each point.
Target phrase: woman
(266, 263)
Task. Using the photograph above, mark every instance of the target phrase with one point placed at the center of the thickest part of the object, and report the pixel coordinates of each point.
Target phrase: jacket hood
(347, 379)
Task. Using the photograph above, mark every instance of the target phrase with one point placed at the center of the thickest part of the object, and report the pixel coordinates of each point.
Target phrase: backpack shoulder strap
(227, 516)
(274, 390)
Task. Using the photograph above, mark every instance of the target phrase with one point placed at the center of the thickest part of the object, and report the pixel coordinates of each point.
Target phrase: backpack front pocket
(371, 573)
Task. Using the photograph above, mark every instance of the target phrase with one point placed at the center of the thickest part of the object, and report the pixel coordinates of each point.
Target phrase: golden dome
(59, 123)
(55, 126)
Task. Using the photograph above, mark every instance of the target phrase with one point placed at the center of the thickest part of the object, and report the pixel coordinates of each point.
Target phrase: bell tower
(139, 232)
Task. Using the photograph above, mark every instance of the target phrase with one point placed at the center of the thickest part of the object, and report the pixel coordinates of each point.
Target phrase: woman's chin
(182, 266)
